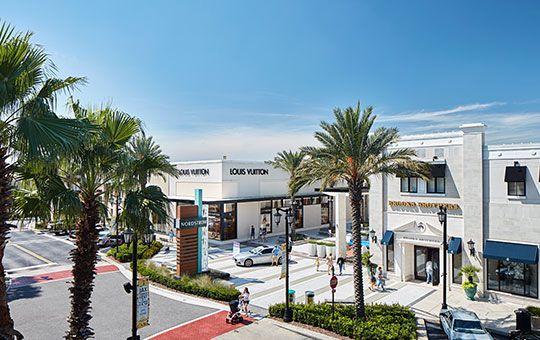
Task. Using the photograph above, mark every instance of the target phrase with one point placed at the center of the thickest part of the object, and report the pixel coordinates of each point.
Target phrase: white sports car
(462, 325)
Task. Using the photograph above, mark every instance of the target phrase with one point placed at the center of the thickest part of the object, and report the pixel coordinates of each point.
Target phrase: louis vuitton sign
(449, 206)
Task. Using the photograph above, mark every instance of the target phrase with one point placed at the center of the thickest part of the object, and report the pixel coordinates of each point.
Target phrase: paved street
(27, 250)
(40, 310)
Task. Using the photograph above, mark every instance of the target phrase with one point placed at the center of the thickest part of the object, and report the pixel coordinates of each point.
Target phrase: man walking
(275, 255)
(341, 264)
(429, 272)
(252, 233)
(380, 277)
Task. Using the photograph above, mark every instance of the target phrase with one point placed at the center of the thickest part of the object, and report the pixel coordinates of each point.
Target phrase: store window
(214, 221)
(436, 185)
(229, 230)
(513, 277)
(390, 257)
(456, 266)
(409, 184)
(277, 203)
(266, 216)
(516, 188)
(325, 210)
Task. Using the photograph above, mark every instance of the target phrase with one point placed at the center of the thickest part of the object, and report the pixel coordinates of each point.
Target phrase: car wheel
(280, 260)
(248, 263)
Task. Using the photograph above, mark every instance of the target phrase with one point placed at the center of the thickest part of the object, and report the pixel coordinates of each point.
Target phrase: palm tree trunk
(355, 198)
(84, 258)
(7, 330)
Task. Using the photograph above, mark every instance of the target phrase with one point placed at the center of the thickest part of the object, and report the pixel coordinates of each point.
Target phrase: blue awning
(388, 238)
(454, 246)
(515, 252)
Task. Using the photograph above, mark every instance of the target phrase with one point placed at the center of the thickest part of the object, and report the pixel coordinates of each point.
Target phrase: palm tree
(29, 129)
(351, 154)
(290, 162)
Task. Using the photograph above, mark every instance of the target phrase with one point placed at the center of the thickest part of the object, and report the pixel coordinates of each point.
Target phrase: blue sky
(248, 78)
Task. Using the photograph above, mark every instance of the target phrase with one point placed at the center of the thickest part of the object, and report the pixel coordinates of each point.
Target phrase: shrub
(201, 285)
(387, 322)
(468, 284)
(143, 251)
(469, 271)
(535, 311)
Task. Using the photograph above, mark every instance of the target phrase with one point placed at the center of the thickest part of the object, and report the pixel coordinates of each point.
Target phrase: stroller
(234, 315)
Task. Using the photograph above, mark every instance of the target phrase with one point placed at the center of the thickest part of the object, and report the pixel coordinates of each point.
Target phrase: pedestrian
(275, 255)
(341, 264)
(252, 233)
(329, 263)
(260, 233)
(171, 237)
(380, 277)
(244, 299)
(329, 232)
(372, 279)
(264, 234)
(429, 271)
(317, 263)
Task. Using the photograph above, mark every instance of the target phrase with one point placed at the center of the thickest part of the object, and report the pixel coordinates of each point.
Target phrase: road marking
(31, 253)
(59, 239)
(10, 271)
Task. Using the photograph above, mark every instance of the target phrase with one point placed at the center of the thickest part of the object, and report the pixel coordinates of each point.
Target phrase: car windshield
(468, 326)
(256, 250)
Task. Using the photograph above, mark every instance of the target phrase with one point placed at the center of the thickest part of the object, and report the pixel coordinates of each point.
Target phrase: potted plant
(321, 249)
(470, 287)
(535, 316)
(312, 248)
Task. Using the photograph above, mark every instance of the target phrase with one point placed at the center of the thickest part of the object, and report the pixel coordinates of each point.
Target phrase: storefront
(242, 194)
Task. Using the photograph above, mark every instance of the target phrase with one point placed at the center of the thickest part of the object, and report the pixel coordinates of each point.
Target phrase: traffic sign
(333, 282)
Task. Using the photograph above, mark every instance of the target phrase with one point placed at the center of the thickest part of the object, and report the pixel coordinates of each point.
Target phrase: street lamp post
(131, 236)
(289, 214)
(443, 218)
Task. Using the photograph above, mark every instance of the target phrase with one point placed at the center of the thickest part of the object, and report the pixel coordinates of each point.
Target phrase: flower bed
(385, 322)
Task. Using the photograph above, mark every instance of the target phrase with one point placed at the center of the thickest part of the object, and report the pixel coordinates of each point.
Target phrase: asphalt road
(28, 249)
(40, 310)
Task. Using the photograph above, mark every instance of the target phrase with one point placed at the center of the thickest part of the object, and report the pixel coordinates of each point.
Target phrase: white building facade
(492, 198)
(241, 194)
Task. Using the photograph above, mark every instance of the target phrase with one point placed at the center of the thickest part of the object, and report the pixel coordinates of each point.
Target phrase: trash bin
(291, 296)
(523, 320)
(310, 297)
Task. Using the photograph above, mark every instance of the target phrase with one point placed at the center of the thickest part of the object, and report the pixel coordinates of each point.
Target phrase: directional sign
(333, 282)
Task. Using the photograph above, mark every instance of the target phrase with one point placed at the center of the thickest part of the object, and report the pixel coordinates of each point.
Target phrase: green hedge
(201, 285)
(535, 311)
(385, 322)
(143, 251)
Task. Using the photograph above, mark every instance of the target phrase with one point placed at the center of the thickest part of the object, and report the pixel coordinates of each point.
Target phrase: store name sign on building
(194, 172)
(449, 206)
(252, 172)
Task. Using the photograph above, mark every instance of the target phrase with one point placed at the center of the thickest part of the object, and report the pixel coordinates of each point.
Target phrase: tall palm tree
(351, 154)
(29, 129)
(290, 162)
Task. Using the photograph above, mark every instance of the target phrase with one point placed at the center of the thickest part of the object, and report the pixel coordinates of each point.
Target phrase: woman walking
(330, 263)
(372, 278)
(380, 277)
(317, 263)
(244, 298)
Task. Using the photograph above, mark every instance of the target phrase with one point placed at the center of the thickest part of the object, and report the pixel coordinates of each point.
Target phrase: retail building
(492, 196)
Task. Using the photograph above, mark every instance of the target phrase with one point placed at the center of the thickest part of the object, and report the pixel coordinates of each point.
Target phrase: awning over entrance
(388, 238)
(515, 174)
(523, 253)
(454, 246)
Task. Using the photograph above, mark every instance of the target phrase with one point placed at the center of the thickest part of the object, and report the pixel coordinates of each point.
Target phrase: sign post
(333, 285)
(236, 248)
(143, 302)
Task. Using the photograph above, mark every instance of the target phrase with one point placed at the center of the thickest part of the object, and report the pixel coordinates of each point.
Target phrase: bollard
(523, 320)
(310, 297)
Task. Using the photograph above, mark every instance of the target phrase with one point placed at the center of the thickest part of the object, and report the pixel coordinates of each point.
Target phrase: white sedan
(462, 325)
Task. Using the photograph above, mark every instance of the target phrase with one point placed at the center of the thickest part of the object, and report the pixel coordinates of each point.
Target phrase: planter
(470, 292)
(535, 322)
(321, 251)
(312, 249)
(330, 250)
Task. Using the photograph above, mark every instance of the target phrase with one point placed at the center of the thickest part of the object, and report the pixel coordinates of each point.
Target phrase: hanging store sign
(192, 223)
(449, 206)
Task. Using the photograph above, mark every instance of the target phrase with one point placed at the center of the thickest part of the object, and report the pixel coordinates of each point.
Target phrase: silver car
(259, 255)
(462, 325)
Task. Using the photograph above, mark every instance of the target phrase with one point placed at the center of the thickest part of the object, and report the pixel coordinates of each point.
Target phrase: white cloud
(431, 115)
(239, 143)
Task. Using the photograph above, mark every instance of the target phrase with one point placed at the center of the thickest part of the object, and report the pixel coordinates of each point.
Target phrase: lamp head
(277, 218)
(128, 236)
(441, 214)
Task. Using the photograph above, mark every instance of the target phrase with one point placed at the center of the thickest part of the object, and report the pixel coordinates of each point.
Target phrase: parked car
(259, 255)
(462, 325)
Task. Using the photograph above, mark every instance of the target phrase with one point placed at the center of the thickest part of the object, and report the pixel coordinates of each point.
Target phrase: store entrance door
(421, 256)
